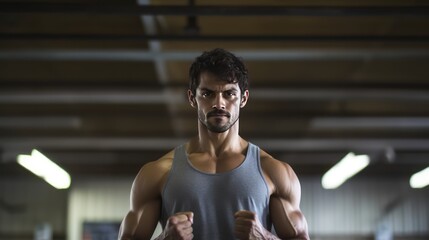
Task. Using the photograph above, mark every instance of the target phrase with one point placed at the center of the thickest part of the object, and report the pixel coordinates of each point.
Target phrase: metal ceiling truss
(177, 10)
(217, 37)
(111, 143)
(177, 96)
(259, 55)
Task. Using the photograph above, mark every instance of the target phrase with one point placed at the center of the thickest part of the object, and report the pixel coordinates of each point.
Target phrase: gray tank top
(214, 198)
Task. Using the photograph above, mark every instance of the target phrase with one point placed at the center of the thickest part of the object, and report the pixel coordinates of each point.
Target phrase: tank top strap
(180, 157)
(253, 151)
(252, 157)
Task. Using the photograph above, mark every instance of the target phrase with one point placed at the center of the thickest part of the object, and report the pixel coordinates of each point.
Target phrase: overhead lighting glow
(420, 179)
(344, 169)
(43, 167)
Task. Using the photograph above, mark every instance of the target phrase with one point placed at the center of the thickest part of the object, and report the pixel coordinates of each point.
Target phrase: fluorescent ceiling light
(420, 179)
(43, 167)
(344, 169)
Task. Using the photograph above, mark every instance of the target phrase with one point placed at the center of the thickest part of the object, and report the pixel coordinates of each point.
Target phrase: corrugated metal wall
(361, 205)
(100, 200)
(27, 203)
(96, 201)
(355, 209)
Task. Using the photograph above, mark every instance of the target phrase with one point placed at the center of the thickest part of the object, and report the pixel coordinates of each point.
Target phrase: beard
(217, 126)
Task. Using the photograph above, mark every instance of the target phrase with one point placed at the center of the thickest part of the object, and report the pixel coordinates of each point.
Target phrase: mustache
(218, 112)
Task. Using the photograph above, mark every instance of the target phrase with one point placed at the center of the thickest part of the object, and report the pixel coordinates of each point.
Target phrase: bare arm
(288, 220)
(145, 210)
(145, 204)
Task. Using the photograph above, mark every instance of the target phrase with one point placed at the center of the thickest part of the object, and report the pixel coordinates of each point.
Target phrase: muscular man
(217, 186)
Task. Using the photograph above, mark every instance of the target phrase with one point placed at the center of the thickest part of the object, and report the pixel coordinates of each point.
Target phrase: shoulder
(280, 174)
(159, 166)
(275, 167)
(152, 175)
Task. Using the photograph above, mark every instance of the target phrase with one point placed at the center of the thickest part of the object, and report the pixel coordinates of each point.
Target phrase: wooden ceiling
(99, 86)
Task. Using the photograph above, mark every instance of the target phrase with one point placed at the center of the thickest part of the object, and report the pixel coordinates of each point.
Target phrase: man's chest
(213, 165)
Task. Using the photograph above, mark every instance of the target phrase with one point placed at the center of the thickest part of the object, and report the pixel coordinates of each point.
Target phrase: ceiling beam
(369, 123)
(348, 82)
(256, 55)
(91, 97)
(162, 73)
(177, 96)
(184, 10)
(340, 94)
(45, 122)
(314, 123)
(205, 37)
(299, 144)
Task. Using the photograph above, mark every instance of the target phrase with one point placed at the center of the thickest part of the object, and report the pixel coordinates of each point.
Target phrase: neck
(217, 143)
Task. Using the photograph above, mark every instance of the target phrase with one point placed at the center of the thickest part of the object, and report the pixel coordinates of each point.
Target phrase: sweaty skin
(217, 148)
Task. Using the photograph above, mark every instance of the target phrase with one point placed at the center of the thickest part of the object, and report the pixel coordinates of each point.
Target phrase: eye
(230, 94)
(206, 94)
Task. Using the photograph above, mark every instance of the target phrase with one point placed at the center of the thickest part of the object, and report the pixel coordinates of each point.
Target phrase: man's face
(218, 102)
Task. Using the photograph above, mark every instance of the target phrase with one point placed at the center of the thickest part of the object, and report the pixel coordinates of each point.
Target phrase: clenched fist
(248, 226)
(179, 227)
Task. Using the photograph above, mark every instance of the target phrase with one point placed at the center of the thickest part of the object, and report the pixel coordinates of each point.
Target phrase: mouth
(218, 114)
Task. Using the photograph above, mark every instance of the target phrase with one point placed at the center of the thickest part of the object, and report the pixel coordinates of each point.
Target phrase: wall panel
(359, 206)
(27, 203)
(355, 209)
(97, 200)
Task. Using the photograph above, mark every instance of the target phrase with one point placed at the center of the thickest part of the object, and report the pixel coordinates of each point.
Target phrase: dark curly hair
(221, 63)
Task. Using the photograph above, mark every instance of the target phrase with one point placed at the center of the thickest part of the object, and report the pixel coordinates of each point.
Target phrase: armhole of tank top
(261, 172)
(173, 167)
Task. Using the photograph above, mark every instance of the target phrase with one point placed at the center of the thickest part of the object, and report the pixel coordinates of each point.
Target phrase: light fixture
(43, 167)
(420, 179)
(344, 169)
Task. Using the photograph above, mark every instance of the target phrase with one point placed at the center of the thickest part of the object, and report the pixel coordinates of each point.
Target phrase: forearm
(300, 227)
(303, 237)
(299, 234)
(162, 236)
(132, 238)
(122, 234)
(270, 236)
(125, 238)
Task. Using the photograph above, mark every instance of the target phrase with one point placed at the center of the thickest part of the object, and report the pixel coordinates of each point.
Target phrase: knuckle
(172, 221)
(176, 228)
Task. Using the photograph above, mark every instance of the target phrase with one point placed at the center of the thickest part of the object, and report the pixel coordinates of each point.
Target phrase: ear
(244, 98)
(191, 99)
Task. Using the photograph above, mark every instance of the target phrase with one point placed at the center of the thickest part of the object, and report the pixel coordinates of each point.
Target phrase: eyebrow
(206, 89)
(226, 90)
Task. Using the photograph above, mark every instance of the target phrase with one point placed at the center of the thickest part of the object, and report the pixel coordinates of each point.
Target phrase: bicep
(286, 215)
(140, 222)
(288, 220)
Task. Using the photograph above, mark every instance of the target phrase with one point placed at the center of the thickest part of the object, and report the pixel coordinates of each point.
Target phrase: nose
(219, 102)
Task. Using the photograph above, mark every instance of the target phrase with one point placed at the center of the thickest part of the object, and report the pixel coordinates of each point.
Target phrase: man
(217, 186)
